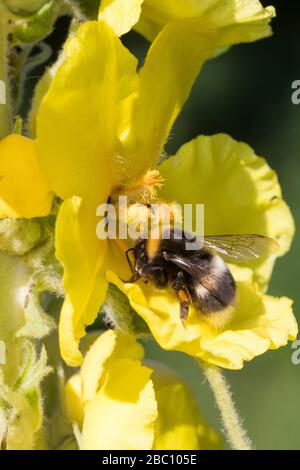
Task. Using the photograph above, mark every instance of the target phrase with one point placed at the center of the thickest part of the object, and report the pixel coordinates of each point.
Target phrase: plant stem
(236, 434)
(5, 108)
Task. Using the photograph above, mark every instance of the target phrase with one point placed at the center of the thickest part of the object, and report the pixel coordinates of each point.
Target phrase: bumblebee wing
(187, 264)
(241, 248)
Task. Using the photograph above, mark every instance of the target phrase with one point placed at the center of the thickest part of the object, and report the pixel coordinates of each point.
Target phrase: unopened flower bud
(19, 236)
(24, 7)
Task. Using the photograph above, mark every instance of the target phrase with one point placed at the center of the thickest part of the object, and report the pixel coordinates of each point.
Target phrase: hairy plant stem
(73, 9)
(236, 433)
(5, 108)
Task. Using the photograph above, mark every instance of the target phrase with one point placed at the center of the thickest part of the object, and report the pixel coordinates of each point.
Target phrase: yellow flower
(115, 405)
(179, 425)
(24, 189)
(236, 21)
(249, 16)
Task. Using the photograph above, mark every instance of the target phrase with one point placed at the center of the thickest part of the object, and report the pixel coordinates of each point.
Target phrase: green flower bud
(24, 7)
(34, 28)
(19, 236)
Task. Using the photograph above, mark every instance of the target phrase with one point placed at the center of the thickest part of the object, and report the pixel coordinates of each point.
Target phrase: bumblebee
(200, 278)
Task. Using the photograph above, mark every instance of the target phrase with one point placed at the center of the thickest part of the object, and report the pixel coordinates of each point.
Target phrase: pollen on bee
(183, 296)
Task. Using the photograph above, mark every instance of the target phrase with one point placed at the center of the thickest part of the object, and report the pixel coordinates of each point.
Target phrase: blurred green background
(247, 94)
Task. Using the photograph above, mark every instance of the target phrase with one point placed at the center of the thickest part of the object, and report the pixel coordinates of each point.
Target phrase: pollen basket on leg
(183, 296)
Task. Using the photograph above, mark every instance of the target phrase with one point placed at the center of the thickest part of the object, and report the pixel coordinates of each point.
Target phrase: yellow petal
(79, 114)
(109, 347)
(122, 414)
(81, 254)
(259, 322)
(120, 15)
(82, 387)
(238, 21)
(179, 425)
(24, 191)
(171, 66)
(240, 192)
(116, 258)
(73, 399)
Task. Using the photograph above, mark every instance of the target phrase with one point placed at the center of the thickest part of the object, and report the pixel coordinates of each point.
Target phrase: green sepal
(34, 368)
(118, 313)
(37, 323)
(21, 404)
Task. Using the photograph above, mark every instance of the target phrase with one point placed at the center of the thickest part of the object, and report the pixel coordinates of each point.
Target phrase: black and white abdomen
(215, 290)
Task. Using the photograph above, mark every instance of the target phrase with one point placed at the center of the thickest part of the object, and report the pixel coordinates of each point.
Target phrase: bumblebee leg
(184, 310)
(183, 295)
